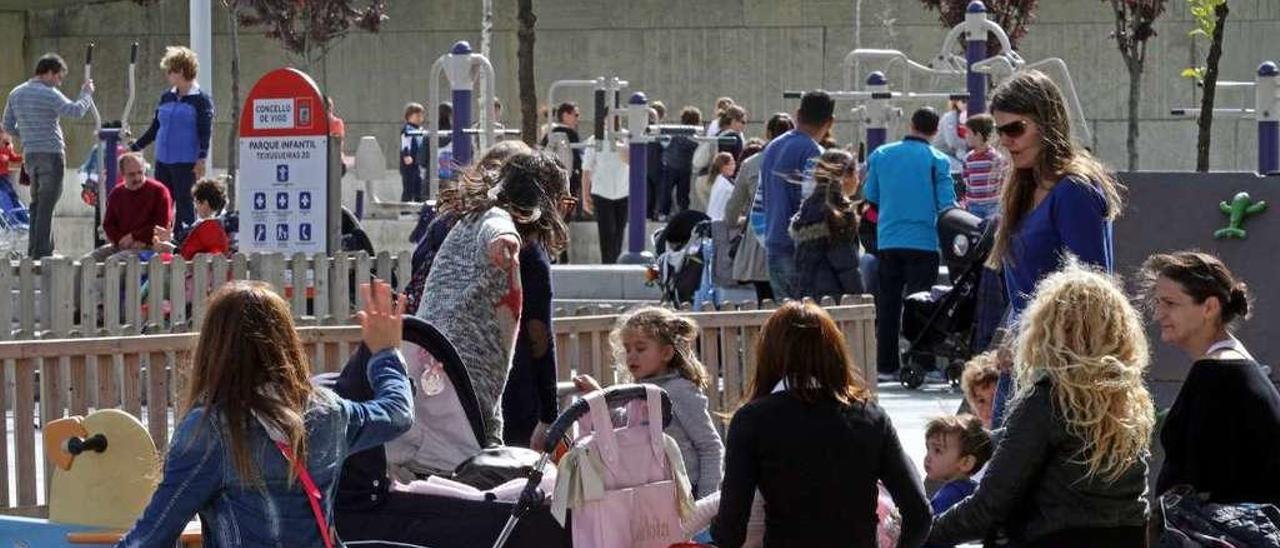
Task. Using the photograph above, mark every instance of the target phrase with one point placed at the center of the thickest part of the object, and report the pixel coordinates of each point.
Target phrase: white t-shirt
(610, 174)
(720, 192)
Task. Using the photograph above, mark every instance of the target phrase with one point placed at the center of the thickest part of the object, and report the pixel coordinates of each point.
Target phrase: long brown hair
(829, 174)
(249, 362)
(531, 187)
(484, 173)
(802, 344)
(1032, 94)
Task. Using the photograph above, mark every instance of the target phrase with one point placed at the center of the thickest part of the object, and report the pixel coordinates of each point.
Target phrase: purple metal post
(635, 253)
(1268, 118)
(110, 138)
(877, 133)
(976, 50)
(461, 114)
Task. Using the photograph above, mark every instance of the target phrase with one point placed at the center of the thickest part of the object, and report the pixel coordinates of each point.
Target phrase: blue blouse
(1071, 219)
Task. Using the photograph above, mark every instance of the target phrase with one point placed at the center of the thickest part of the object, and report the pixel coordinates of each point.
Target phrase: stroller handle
(614, 396)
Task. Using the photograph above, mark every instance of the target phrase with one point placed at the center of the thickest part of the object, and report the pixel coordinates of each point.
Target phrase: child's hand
(380, 322)
(408, 160)
(162, 234)
(585, 383)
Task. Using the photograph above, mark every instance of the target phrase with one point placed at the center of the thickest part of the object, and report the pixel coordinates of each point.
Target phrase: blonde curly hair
(668, 328)
(1081, 331)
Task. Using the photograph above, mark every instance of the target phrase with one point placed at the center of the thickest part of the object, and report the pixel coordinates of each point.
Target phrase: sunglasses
(1013, 129)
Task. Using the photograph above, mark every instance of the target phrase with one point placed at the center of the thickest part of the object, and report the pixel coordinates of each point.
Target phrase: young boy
(978, 381)
(983, 167)
(958, 446)
(207, 235)
(411, 141)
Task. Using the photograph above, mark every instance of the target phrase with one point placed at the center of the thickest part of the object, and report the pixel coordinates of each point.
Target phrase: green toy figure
(1240, 208)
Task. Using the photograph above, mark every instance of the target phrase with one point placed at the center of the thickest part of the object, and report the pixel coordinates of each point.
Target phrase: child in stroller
(939, 323)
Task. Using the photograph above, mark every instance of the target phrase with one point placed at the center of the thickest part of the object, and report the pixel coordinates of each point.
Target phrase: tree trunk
(524, 59)
(1135, 93)
(1210, 90)
(486, 28)
(233, 138)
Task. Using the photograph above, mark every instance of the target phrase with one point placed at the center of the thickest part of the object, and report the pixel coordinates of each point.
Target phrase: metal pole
(975, 50)
(201, 28)
(1267, 111)
(637, 121)
(458, 68)
(877, 111)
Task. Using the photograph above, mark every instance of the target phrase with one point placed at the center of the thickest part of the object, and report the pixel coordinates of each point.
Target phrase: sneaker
(936, 376)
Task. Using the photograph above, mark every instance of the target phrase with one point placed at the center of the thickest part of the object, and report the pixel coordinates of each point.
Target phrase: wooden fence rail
(61, 298)
(146, 375)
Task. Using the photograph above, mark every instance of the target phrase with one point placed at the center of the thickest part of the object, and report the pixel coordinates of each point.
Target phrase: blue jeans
(782, 270)
(984, 211)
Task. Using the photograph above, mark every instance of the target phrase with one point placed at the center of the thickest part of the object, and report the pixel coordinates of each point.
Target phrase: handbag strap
(312, 492)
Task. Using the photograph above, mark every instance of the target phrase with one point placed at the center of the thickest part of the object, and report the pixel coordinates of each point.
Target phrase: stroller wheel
(954, 370)
(911, 377)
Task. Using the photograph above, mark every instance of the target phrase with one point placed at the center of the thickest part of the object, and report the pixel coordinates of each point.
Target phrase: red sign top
(284, 103)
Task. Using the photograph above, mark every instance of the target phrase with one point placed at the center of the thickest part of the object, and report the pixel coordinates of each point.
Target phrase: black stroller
(939, 323)
(369, 513)
(681, 261)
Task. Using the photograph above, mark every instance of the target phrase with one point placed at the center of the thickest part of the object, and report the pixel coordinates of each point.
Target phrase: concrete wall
(679, 51)
(1179, 211)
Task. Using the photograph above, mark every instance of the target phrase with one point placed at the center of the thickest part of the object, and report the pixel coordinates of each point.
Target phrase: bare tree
(1211, 17)
(1014, 16)
(308, 29)
(524, 59)
(1135, 25)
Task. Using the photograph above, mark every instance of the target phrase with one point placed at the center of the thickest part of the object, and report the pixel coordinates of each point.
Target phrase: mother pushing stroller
(474, 297)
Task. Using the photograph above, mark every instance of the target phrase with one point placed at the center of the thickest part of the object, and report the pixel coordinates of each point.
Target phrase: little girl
(825, 232)
(656, 345)
(720, 179)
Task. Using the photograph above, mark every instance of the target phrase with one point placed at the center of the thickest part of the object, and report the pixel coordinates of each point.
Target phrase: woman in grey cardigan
(745, 207)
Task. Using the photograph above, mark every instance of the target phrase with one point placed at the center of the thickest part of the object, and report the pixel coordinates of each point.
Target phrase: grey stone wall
(1179, 211)
(679, 51)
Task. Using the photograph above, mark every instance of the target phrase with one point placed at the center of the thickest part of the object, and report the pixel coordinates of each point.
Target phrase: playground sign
(284, 166)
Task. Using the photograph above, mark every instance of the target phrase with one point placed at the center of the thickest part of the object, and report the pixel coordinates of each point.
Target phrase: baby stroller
(939, 323)
(685, 260)
(368, 512)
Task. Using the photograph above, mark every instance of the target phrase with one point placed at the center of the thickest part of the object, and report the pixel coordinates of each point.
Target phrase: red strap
(313, 493)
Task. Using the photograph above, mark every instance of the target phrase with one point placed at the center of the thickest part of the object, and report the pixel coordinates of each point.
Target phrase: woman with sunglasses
(1058, 199)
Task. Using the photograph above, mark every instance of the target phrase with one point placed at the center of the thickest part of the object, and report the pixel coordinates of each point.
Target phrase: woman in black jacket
(814, 442)
(1071, 467)
(1222, 434)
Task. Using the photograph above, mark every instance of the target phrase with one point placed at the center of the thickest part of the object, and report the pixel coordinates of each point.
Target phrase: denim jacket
(200, 474)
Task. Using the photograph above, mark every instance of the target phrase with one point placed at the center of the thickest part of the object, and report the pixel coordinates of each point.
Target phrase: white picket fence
(62, 298)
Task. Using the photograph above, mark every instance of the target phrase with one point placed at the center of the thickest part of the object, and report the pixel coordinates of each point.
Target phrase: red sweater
(138, 212)
(207, 236)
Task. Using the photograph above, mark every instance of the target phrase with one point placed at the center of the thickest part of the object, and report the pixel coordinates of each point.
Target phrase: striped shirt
(983, 176)
(32, 112)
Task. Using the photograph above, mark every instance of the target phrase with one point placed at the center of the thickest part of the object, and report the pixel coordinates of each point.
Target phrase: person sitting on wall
(134, 210)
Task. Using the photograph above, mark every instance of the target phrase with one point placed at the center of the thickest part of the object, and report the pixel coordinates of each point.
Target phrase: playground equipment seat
(105, 468)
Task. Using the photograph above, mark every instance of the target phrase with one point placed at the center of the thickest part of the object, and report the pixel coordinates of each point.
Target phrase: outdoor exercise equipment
(99, 173)
(975, 66)
(464, 69)
(1266, 111)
